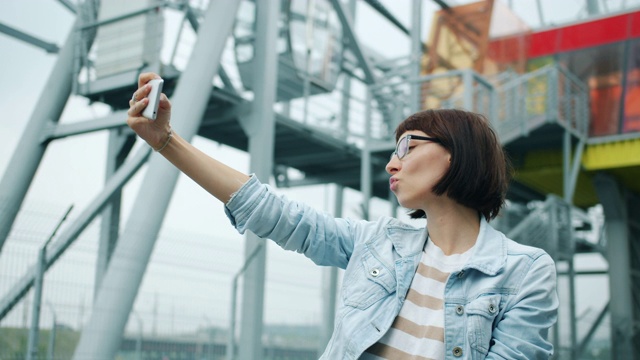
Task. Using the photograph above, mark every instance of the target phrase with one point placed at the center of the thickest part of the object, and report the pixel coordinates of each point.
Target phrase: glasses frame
(408, 139)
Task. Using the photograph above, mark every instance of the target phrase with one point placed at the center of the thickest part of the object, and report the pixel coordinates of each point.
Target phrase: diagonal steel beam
(70, 234)
(69, 5)
(376, 5)
(353, 43)
(443, 4)
(21, 35)
(101, 337)
(114, 120)
(195, 24)
(30, 149)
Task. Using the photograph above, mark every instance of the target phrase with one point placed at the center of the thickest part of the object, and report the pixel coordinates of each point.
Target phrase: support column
(32, 145)
(568, 183)
(366, 187)
(416, 53)
(330, 283)
(119, 148)
(261, 131)
(617, 230)
(467, 80)
(101, 337)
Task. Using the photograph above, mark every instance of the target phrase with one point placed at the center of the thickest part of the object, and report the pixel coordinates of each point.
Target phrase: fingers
(141, 93)
(164, 102)
(145, 77)
(135, 108)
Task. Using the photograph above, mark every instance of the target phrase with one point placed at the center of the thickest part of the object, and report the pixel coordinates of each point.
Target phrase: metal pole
(345, 103)
(416, 53)
(365, 164)
(52, 337)
(572, 310)
(119, 147)
(34, 331)
(467, 79)
(593, 8)
(101, 337)
(231, 344)
(330, 282)
(568, 197)
(260, 129)
(540, 14)
(620, 294)
(307, 71)
(138, 337)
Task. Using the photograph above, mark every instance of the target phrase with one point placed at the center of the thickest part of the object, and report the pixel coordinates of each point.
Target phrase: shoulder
(526, 261)
(518, 249)
(534, 257)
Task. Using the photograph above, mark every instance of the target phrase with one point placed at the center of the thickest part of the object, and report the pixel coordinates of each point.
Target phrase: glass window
(631, 119)
(601, 69)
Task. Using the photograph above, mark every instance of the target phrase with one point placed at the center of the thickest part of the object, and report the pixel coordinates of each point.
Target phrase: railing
(547, 226)
(548, 95)
(454, 89)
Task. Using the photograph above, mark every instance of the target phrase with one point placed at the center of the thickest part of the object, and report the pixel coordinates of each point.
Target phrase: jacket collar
(407, 240)
(490, 255)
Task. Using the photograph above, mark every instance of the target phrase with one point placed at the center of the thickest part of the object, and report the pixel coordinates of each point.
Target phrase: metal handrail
(549, 227)
(550, 94)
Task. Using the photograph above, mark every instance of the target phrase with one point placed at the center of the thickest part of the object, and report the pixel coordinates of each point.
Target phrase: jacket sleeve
(523, 331)
(292, 225)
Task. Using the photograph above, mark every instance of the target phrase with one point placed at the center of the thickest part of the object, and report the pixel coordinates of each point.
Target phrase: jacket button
(375, 272)
(457, 351)
(492, 308)
(459, 309)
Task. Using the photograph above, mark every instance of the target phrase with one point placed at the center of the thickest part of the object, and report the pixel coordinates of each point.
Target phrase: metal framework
(524, 116)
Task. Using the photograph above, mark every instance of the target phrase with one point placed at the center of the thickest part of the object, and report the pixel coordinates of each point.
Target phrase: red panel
(544, 43)
(509, 50)
(573, 37)
(594, 33)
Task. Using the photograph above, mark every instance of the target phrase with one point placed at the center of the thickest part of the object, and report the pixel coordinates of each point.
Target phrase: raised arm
(215, 177)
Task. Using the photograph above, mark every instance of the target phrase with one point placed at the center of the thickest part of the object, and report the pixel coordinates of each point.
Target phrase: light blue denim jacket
(500, 306)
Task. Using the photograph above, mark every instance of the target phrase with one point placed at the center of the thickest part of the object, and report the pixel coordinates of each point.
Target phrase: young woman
(454, 289)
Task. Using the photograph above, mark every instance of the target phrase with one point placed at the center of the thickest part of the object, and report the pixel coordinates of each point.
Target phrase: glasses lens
(403, 147)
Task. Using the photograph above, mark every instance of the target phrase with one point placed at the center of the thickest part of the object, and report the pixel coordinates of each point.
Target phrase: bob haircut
(479, 174)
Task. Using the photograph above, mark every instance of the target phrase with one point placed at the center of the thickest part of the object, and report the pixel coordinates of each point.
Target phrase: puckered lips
(393, 183)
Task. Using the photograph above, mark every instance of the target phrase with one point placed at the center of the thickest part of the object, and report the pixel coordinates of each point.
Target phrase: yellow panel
(542, 171)
(612, 155)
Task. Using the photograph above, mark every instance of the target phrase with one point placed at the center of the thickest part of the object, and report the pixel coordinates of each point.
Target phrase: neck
(454, 228)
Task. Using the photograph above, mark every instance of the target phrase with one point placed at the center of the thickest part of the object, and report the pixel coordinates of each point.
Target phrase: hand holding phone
(151, 110)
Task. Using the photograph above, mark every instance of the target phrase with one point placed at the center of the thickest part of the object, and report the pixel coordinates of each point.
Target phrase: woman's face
(414, 176)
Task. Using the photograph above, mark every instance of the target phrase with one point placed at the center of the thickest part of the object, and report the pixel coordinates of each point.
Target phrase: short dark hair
(480, 172)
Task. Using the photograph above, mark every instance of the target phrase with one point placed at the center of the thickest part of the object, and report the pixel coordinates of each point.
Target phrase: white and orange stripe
(418, 331)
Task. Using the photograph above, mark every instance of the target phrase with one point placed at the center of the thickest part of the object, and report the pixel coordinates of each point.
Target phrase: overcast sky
(72, 172)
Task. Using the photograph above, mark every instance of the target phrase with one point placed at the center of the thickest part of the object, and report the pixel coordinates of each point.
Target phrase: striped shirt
(418, 330)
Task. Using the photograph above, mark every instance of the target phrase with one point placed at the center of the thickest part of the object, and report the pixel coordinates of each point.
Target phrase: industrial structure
(563, 100)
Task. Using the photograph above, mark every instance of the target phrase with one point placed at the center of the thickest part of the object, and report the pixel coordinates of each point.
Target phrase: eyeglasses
(402, 148)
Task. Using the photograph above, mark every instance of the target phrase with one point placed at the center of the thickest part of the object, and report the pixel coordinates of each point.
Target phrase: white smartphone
(151, 110)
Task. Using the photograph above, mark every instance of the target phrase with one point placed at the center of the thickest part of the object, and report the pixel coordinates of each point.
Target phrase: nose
(393, 166)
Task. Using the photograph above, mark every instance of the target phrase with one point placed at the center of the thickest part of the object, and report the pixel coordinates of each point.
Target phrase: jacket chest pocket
(481, 315)
(367, 282)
